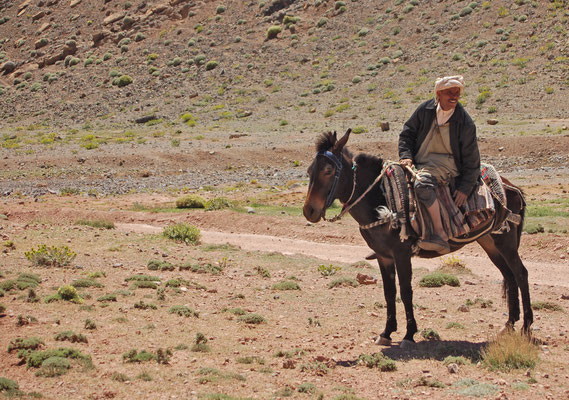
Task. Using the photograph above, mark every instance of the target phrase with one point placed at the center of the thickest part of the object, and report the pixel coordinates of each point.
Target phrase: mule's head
(324, 173)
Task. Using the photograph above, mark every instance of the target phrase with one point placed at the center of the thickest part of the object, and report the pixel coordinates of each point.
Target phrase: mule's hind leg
(506, 245)
(510, 285)
(387, 268)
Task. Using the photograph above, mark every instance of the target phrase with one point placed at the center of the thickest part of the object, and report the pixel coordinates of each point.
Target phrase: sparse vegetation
(183, 232)
(510, 351)
(50, 256)
(439, 279)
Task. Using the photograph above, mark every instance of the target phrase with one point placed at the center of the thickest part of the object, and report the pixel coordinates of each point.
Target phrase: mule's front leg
(387, 268)
(404, 270)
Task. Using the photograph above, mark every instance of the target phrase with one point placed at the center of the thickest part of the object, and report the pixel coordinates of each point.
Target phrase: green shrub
(90, 324)
(133, 356)
(141, 278)
(252, 319)
(349, 282)
(31, 343)
(263, 272)
(183, 311)
(94, 223)
(200, 344)
(141, 305)
(430, 334)
(211, 65)
(286, 285)
(123, 80)
(107, 298)
(465, 11)
(459, 360)
(377, 360)
(71, 337)
(85, 283)
(439, 279)
(190, 201)
(50, 256)
(546, 305)
(220, 9)
(66, 293)
(273, 31)
(35, 359)
(183, 232)
(54, 366)
(157, 265)
(219, 203)
(7, 385)
(144, 285)
(321, 22)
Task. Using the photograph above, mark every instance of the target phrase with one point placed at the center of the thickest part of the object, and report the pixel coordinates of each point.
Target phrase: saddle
(487, 202)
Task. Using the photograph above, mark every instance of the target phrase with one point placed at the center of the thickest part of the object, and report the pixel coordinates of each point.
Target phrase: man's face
(449, 98)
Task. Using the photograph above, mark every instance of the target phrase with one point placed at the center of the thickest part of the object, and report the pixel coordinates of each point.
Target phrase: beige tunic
(435, 155)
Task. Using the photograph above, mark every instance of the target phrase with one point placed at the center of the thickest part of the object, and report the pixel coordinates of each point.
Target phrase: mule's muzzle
(312, 214)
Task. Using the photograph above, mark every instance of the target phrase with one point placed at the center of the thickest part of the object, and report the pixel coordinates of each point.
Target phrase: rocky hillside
(259, 65)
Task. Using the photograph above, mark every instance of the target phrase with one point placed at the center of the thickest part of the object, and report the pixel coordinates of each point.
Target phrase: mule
(336, 174)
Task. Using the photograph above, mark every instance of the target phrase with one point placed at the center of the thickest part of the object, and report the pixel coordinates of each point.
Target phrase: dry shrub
(510, 351)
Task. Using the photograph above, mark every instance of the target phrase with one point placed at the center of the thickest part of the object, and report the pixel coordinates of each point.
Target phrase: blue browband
(338, 163)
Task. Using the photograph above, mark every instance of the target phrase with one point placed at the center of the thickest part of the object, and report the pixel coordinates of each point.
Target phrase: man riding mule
(359, 183)
(440, 140)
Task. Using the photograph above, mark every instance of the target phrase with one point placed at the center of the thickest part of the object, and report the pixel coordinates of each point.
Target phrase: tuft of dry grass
(510, 351)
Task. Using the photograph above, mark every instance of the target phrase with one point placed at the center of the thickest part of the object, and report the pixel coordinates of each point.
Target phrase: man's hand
(406, 162)
(459, 198)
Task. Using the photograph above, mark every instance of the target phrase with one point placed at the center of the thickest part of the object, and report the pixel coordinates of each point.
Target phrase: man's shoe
(435, 243)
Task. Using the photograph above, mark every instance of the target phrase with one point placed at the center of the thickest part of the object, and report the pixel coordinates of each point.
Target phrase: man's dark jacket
(462, 141)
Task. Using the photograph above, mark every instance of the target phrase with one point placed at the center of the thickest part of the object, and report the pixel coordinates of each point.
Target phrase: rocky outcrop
(68, 49)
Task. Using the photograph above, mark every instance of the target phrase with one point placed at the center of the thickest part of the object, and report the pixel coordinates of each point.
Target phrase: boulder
(8, 67)
(114, 18)
(43, 28)
(39, 15)
(99, 37)
(68, 49)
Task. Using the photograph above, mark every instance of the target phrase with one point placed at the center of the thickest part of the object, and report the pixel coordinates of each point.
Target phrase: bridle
(338, 164)
(346, 207)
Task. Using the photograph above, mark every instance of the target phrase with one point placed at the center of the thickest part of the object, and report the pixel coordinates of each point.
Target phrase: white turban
(449, 82)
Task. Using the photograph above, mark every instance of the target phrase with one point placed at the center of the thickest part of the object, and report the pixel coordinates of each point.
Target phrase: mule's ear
(343, 140)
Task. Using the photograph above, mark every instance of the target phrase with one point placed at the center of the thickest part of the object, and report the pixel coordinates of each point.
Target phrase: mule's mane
(326, 142)
(369, 162)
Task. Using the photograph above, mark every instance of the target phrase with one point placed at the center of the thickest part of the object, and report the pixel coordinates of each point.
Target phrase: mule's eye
(328, 170)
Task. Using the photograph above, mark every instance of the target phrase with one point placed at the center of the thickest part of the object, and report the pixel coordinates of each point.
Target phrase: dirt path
(541, 273)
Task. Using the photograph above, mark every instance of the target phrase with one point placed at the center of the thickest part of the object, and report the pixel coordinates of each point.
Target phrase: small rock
(117, 265)
(364, 279)
(384, 126)
(492, 121)
(250, 210)
(74, 3)
(453, 368)
(463, 308)
(501, 148)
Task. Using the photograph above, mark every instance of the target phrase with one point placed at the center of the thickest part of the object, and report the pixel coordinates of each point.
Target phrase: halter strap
(338, 163)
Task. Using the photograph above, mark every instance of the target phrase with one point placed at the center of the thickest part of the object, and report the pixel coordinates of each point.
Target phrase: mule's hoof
(381, 341)
(407, 344)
